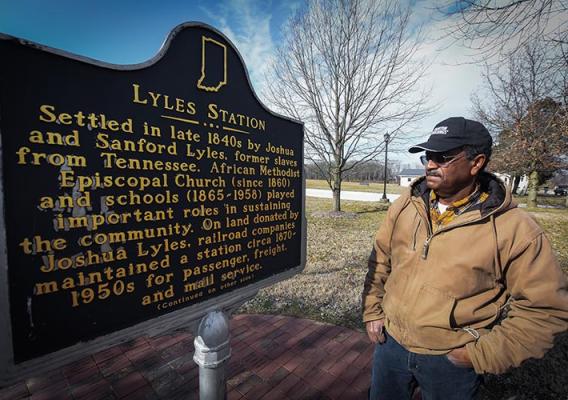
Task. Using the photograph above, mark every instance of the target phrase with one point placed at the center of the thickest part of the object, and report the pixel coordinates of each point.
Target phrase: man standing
(452, 255)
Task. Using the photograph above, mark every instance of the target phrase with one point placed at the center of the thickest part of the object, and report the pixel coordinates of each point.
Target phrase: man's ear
(478, 163)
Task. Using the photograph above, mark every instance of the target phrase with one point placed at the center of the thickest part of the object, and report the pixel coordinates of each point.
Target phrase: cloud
(247, 23)
(449, 81)
(254, 27)
(452, 77)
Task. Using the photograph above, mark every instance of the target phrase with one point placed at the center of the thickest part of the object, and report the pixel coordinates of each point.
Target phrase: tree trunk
(532, 189)
(336, 191)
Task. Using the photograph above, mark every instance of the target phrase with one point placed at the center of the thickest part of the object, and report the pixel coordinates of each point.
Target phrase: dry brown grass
(356, 186)
(555, 224)
(330, 287)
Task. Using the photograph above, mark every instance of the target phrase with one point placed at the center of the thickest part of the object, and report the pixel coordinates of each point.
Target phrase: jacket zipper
(426, 247)
(429, 239)
(431, 234)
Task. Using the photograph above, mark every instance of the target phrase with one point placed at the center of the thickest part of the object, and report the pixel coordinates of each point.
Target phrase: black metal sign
(133, 192)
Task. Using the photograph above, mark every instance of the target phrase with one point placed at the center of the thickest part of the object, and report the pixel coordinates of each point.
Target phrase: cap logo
(441, 130)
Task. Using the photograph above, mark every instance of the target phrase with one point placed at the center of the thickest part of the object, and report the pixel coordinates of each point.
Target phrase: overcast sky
(132, 31)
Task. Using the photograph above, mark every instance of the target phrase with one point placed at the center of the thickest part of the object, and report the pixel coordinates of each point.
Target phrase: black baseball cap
(452, 133)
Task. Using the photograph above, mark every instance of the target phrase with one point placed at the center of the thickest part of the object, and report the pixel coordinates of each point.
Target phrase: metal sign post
(212, 350)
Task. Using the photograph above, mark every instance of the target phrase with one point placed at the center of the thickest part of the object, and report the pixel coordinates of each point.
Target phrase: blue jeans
(397, 372)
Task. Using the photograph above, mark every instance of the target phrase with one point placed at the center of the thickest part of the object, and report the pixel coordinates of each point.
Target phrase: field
(330, 287)
(356, 186)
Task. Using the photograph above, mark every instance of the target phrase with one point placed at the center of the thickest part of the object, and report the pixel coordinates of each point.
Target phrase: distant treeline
(371, 171)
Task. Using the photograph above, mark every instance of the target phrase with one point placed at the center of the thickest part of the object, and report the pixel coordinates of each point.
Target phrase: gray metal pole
(212, 349)
(385, 198)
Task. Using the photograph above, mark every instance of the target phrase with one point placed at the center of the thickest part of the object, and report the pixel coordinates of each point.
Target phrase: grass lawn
(356, 186)
(544, 201)
(330, 287)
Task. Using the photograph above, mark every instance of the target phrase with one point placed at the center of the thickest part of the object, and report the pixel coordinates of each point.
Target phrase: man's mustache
(433, 172)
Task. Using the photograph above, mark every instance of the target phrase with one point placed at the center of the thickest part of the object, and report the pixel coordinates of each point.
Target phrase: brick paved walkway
(274, 357)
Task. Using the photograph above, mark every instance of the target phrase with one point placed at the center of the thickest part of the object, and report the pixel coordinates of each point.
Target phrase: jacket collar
(500, 198)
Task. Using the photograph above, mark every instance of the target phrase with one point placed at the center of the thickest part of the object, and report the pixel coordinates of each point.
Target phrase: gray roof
(411, 172)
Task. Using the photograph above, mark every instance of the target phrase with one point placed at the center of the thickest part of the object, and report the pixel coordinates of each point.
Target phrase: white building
(507, 180)
(408, 175)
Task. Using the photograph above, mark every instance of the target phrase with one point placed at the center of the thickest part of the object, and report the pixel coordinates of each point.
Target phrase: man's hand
(376, 330)
(460, 358)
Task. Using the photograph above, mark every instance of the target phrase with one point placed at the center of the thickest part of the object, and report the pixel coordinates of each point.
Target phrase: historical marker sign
(138, 194)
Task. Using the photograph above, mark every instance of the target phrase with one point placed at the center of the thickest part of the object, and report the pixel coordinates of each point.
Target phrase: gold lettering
(212, 114)
(45, 288)
(136, 98)
(47, 110)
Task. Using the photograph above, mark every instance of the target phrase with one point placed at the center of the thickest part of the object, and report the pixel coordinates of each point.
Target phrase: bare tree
(496, 28)
(525, 108)
(347, 68)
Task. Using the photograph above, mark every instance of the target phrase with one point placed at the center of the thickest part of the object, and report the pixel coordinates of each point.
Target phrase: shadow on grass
(321, 272)
(542, 379)
(347, 267)
(373, 210)
(351, 212)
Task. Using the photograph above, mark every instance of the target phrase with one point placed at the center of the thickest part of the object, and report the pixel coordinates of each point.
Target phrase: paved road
(346, 195)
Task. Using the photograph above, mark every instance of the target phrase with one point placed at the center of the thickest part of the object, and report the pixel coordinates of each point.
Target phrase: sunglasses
(440, 160)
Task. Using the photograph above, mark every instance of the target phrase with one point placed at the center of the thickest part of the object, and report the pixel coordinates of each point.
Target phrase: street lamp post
(387, 137)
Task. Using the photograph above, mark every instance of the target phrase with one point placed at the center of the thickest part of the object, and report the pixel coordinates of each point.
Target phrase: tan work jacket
(443, 290)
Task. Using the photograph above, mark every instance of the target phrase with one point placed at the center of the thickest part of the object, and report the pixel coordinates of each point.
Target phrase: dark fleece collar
(488, 183)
